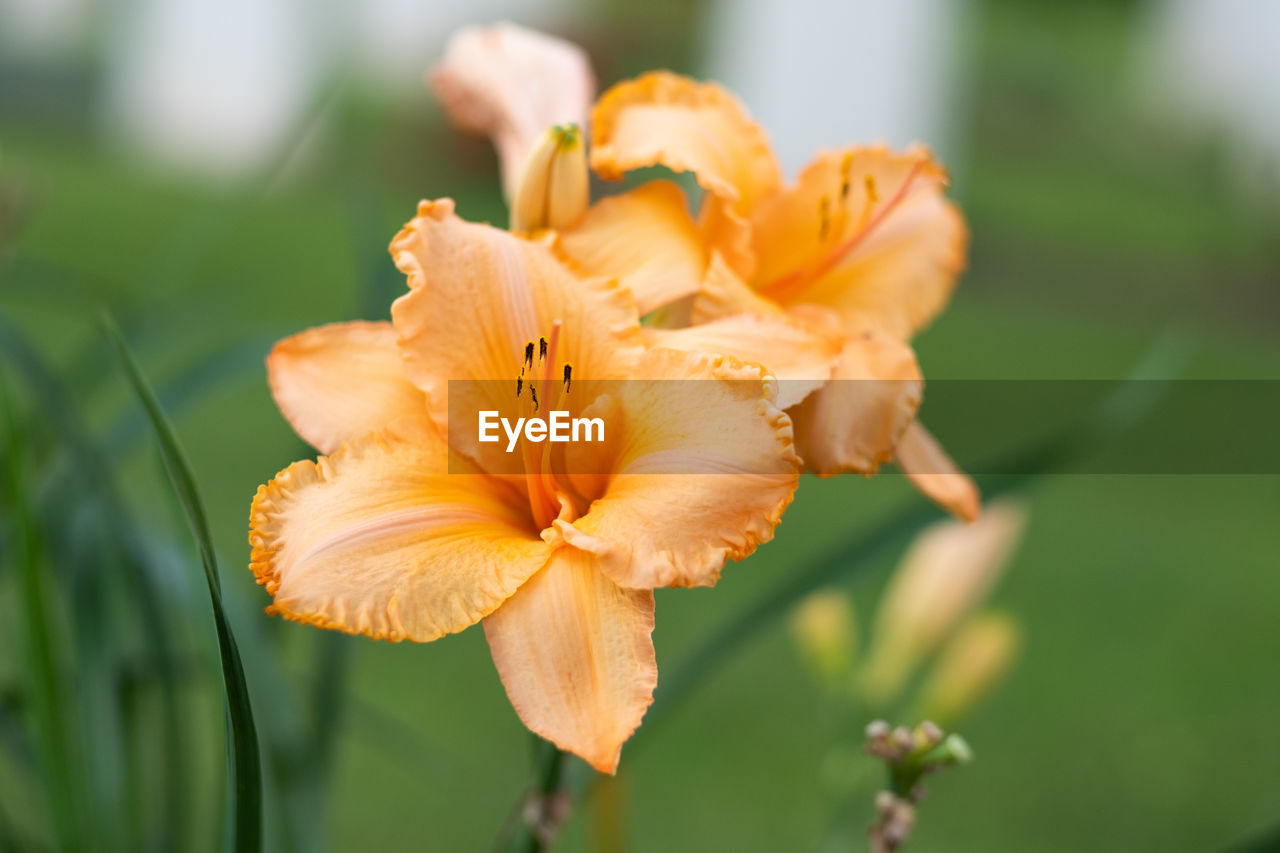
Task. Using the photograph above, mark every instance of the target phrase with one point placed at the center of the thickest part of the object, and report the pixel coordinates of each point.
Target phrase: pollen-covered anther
(528, 355)
(568, 374)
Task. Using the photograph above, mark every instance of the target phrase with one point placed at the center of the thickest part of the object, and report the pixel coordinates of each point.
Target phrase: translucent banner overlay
(704, 426)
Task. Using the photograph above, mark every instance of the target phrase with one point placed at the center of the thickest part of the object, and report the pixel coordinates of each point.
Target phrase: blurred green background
(1141, 714)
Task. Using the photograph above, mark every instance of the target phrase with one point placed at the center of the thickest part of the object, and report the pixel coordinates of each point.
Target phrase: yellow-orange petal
(866, 232)
(727, 232)
(575, 654)
(479, 296)
(645, 238)
(935, 475)
(724, 293)
(703, 471)
(379, 539)
(854, 422)
(511, 84)
(341, 381)
(660, 118)
(800, 357)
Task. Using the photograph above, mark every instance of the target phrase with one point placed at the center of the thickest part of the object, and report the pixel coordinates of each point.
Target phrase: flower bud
(947, 570)
(971, 664)
(823, 629)
(553, 188)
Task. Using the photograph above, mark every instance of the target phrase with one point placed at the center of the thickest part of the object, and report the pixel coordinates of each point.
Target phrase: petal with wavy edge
(935, 475)
(660, 118)
(341, 381)
(703, 471)
(511, 84)
(854, 422)
(800, 357)
(645, 238)
(575, 654)
(379, 539)
(479, 296)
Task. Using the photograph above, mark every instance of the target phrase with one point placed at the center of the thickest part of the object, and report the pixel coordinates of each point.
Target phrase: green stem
(537, 818)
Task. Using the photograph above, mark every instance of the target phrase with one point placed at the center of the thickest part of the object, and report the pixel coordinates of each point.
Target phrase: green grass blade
(245, 766)
(46, 687)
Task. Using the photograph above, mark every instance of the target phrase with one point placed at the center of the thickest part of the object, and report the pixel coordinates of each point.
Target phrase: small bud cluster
(909, 755)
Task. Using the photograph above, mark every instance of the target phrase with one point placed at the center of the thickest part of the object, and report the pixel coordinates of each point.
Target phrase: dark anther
(568, 371)
(528, 354)
(533, 392)
(519, 385)
(542, 348)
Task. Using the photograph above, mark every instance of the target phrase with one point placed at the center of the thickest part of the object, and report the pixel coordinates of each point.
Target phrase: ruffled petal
(480, 296)
(660, 118)
(645, 238)
(575, 654)
(854, 422)
(799, 357)
(511, 84)
(380, 539)
(866, 232)
(341, 381)
(935, 475)
(704, 469)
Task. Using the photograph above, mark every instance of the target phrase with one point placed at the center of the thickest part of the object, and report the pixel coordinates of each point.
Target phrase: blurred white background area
(1213, 67)
(830, 73)
(212, 86)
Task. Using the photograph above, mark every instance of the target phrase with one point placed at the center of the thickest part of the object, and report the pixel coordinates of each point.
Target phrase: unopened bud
(823, 629)
(554, 188)
(971, 664)
(947, 570)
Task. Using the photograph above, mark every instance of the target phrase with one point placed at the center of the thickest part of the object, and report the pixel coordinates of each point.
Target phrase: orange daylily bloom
(406, 531)
(861, 252)
(824, 280)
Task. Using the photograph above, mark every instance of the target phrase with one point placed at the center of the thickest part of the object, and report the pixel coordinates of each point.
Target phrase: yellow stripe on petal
(378, 539)
(341, 381)
(575, 654)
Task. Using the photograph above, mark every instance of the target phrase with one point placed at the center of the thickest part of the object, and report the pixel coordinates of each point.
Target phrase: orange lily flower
(399, 533)
(827, 279)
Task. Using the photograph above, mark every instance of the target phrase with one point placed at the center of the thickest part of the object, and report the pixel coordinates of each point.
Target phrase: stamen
(824, 217)
(519, 385)
(533, 392)
(871, 190)
(568, 372)
(542, 349)
(846, 166)
(528, 354)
